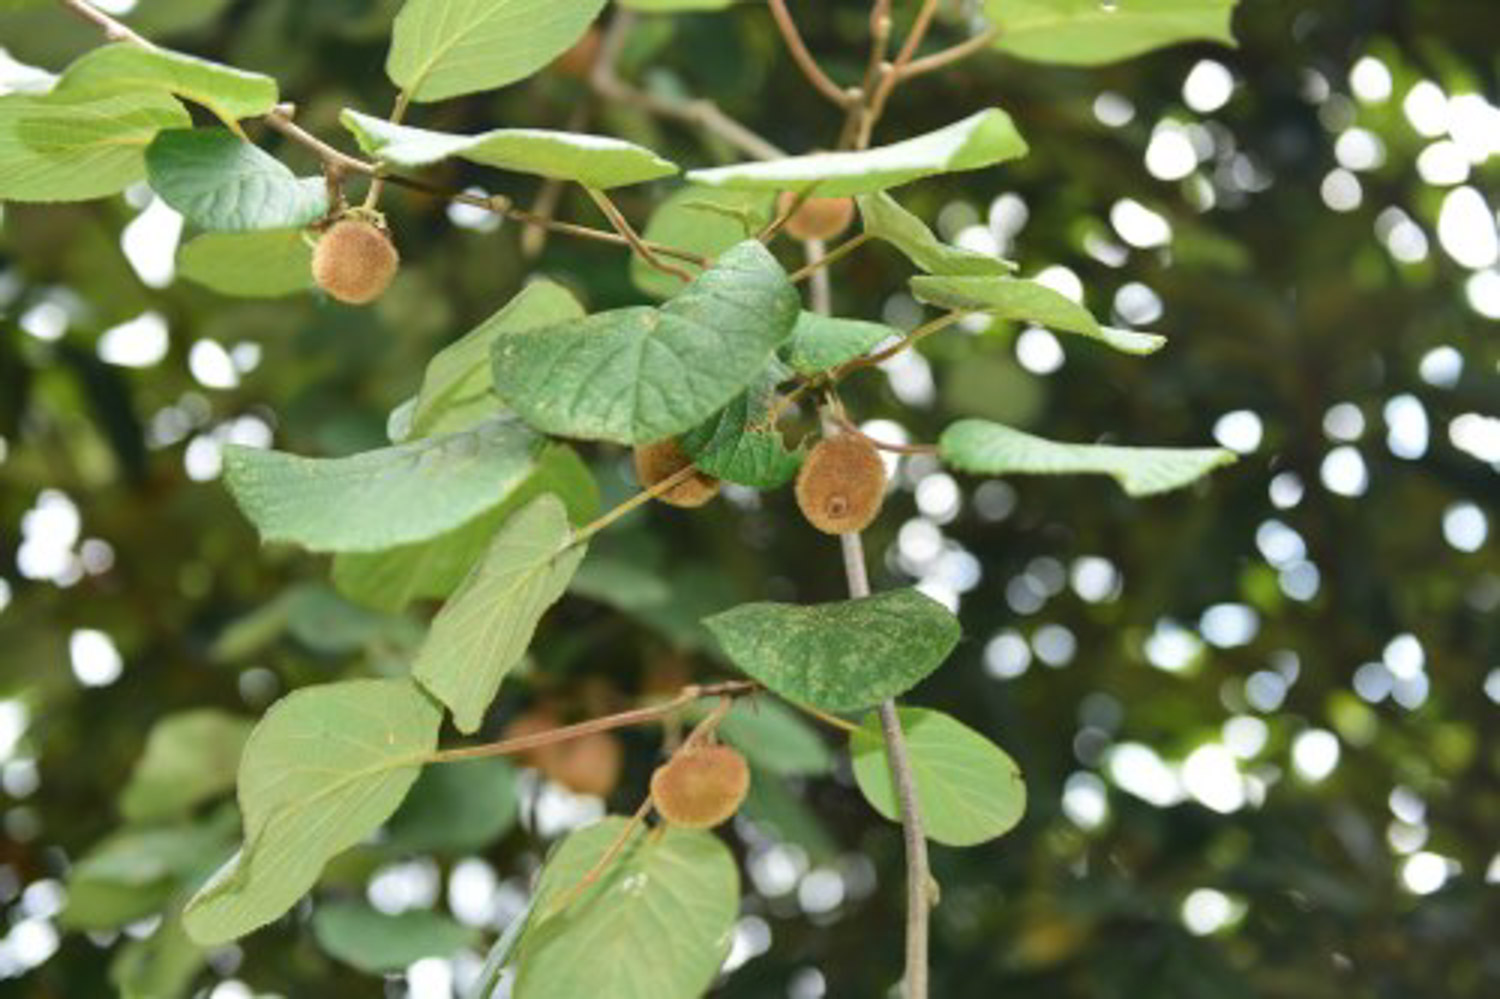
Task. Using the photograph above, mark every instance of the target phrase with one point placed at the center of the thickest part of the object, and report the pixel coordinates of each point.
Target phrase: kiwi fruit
(701, 787)
(664, 459)
(355, 260)
(588, 765)
(842, 484)
(816, 218)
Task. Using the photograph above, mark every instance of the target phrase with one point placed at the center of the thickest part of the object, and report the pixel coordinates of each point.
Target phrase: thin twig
(377, 186)
(566, 733)
(699, 111)
(624, 228)
(113, 29)
(607, 858)
(825, 85)
(666, 485)
(880, 445)
(911, 339)
(950, 55)
(845, 248)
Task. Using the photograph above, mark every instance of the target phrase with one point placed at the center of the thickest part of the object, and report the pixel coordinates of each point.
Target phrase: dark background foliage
(1349, 583)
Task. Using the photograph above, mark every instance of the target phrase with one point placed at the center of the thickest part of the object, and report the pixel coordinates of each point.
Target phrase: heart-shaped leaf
(221, 182)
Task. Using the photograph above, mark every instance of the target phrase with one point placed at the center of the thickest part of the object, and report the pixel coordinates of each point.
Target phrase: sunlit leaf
(840, 656)
(968, 789)
(228, 92)
(1091, 32)
(986, 448)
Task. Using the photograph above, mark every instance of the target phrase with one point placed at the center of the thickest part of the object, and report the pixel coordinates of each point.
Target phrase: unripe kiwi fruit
(701, 787)
(355, 260)
(842, 484)
(664, 459)
(816, 218)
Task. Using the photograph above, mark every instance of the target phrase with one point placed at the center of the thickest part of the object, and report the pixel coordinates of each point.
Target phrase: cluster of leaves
(478, 503)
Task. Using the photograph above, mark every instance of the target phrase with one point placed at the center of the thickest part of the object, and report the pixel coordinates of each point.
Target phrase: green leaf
(1091, 32)
(228, 92)
(265, 264)
(458, 388)
(741, 444)
(484, 629)
(389, 580)
(841, 656)
(980, 140)
(189, 758)
(702, 220)
(620, 583)
(383, 498)
(457, 807)
(162, 966)
(885, 219)
(781, 813)
(222, 183)
(324, 768)
(74, 147)
(672, 6)
(968, 790)
(376, 943)
(821, 343)
(1028, 302)
(775, 738)
(594, 161)
(134, 873)
(986, 448)
(640, 374)
(655, 925)
(444, 48)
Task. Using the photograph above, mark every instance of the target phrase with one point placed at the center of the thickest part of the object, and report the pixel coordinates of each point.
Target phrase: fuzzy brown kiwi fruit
(355, 260)
(701, 787)
(841, 485)
(663, 459)
(579, 60)
(590, 765)
(816, 218)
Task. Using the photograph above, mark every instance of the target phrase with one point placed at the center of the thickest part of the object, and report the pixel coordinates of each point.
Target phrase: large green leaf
(702, 220)
(74, 147)
(821, 343)
(841, 656)
(1090, 32)
(655, 925)
(980, 140)
(325, 767)
(484, 628)
(591, 160)
(265, 264)
(222, 183)
(640, 374)
(189, 758)
(228, 92)
(458, 387)
(968, 789)
(444, 48)
(987, 448)
(382, 498)
(377, 943)
(741, 444)
(457, 807)
(391, 579)
(885, 219)
(1028, 302)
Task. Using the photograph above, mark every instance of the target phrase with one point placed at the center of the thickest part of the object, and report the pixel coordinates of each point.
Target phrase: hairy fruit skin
(355, 261)
(588, 765)
(842, 484)
(816, 218)
(701, 788)
(663, 459)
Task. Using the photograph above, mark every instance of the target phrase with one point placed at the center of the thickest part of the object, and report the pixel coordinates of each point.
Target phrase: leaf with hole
(484, 628)
(841, 656)
(75, 147)
(656, 924)
(968, 790)
(639, 374)
(230, 93)
(886, 220)
(325, 767)
(222, 183)
(1093, 32)
(382, 498)
(986, 448)
(594, 161)
(377, 943)
(1029, 302)
(978, 141)
(444, 48)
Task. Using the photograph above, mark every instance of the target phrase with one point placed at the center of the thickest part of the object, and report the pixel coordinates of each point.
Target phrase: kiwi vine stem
(804, 59)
